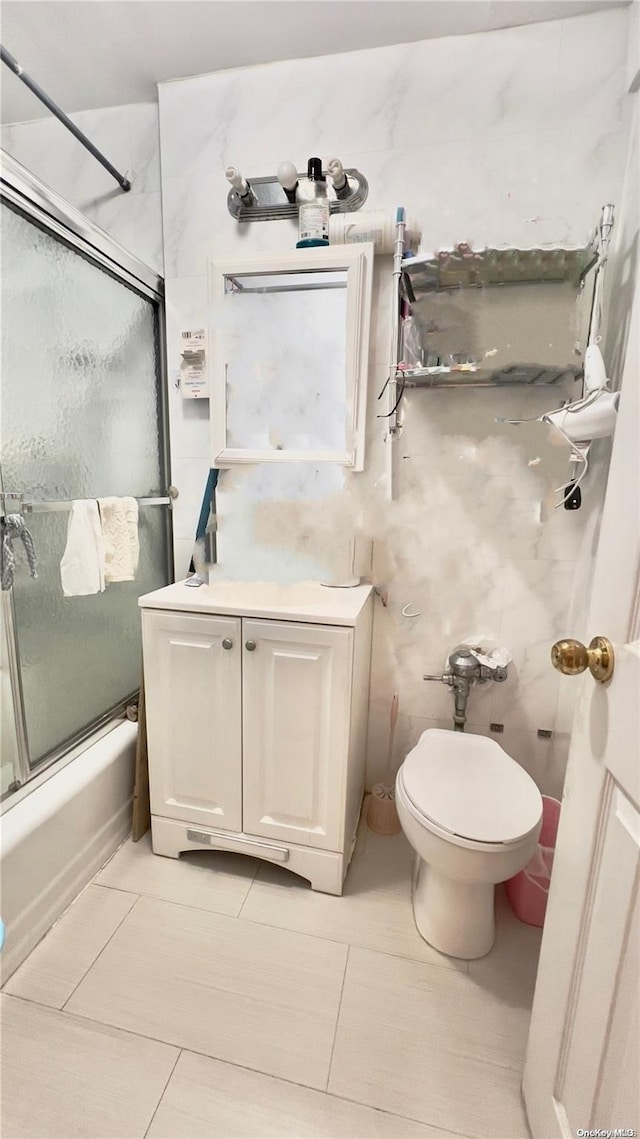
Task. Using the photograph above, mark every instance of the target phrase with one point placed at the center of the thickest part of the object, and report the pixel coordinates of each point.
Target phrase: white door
(581, 1070)
(192, 668)
(297, 689)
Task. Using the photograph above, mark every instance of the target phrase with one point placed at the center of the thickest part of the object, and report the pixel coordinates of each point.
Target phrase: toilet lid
(468, 785)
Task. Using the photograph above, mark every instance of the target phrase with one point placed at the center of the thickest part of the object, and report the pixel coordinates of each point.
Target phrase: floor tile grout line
(335, 1031)
(264, 924)
(481, 1059)
(464, 972)
(283, 928)
(251, 884)
(112, 856)
(85, 1019)
(107, 942)
(162, 1093)
(80, 1017)
(173, 902)
(357, 945)
(299, 932)
(446, 1133)
(116, 889)
(54, 924)
(57, 922)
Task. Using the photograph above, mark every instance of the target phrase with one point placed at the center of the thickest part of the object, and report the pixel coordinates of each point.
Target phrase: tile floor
(217, 997)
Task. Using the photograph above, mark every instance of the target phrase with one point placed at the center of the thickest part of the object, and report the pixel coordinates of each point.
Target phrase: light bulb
(336, 170)
(237, 180)
(287, 175)
(234, 176)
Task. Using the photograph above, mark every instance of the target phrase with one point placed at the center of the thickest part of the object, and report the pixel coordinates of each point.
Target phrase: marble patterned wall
(128, 137)
(509, 137)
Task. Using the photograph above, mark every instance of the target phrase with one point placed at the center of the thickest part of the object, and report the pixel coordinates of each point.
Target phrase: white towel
(82, 565)
(119, 519)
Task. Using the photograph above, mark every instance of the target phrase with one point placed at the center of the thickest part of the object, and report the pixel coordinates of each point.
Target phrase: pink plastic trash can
(528, 891)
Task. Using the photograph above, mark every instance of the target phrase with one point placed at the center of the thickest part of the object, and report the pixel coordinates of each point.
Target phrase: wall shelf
(465, 268)
(496, 317)
(526, 375)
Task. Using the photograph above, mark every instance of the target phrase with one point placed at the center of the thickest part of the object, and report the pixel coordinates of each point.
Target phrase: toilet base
(456, 918)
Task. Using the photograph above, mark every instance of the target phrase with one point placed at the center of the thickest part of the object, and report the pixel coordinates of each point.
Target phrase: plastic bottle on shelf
(313, 215)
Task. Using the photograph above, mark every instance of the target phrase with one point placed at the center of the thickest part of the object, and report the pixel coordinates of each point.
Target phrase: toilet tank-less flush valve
(467, 666)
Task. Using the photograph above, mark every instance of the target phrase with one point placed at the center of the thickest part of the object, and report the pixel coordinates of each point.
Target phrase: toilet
(472, 815)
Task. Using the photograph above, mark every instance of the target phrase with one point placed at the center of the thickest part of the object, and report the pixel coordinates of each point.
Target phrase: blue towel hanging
(212, 482)
(208, 507)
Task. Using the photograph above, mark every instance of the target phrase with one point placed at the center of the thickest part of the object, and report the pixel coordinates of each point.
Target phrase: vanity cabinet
(194, 713)
(256, 721)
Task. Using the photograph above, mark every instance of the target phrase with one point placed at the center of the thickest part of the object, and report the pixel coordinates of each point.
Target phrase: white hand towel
(119, 519)
(82, 565)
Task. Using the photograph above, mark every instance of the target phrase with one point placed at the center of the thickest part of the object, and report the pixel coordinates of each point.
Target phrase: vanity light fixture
(277, 195)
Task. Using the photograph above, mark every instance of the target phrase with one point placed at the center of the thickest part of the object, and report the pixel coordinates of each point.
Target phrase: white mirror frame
(357, 260)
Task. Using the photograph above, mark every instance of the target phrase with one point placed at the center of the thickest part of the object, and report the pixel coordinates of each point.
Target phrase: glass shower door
(81, 418)
(11, 773)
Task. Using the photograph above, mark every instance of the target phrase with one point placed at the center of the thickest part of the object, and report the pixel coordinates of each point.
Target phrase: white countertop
(303, 601)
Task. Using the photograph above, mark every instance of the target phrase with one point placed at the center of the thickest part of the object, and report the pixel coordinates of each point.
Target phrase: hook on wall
(405, 612)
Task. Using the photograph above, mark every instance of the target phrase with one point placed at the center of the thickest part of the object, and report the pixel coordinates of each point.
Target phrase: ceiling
(102, 53)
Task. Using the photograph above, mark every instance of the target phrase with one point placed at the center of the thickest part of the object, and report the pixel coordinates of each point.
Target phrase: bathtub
(58, 836)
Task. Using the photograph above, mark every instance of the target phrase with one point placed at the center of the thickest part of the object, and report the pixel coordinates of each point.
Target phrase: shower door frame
(50, 212)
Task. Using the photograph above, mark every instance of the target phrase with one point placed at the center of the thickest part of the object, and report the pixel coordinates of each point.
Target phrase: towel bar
(50, 507)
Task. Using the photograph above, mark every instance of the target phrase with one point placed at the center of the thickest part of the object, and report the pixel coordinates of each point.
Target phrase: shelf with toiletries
(483, 318)
(479, 319)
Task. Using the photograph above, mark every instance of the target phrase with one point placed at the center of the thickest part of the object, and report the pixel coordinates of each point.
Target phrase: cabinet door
(194, 719)
(296, 699)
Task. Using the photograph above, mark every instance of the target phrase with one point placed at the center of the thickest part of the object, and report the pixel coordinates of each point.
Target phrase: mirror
(290, 345)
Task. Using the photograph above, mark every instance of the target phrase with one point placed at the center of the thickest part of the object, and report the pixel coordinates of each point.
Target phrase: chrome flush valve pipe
(463, 671)
(461, 689)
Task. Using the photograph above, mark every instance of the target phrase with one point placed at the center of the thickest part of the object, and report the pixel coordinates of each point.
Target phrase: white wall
(622, 280)
(128, 137)
(516, 137)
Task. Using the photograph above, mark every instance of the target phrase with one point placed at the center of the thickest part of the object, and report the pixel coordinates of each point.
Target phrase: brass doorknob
(572, 657)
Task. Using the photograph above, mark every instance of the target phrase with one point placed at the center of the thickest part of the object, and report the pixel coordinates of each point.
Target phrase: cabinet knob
(227, 643)
(250, 646)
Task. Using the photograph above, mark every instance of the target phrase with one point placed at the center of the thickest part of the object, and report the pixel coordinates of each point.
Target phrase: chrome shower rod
(14, 66)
